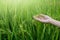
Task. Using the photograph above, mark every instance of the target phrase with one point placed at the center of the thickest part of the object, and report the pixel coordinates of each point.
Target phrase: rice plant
(17, 23)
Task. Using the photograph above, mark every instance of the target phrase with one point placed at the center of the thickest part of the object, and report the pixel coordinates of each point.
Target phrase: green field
(17, 23)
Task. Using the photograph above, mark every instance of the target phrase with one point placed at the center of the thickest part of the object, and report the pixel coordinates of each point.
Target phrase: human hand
(43, 18)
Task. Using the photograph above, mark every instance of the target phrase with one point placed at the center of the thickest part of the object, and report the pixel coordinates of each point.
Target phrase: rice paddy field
(17, 23)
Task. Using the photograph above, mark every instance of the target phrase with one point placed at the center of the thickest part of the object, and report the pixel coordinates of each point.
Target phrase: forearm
(55, 22)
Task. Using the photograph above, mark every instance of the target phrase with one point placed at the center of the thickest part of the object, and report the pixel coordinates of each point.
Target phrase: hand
(43, 18)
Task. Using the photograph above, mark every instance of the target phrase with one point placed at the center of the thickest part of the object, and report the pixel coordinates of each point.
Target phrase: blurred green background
(17, 23)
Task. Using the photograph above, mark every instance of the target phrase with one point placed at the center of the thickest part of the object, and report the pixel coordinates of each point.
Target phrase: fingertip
(33, 16)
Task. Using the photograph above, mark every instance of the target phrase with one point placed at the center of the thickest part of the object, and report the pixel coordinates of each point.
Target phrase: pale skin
(46, 19)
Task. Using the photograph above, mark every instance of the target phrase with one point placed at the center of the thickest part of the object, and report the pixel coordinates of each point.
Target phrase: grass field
(17, 23)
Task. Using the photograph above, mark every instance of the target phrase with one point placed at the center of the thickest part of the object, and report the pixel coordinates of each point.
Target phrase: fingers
(43, 15)
(36, 18)
(40, 15)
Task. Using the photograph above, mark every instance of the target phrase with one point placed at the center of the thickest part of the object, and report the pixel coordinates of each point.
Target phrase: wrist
(51, 21)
